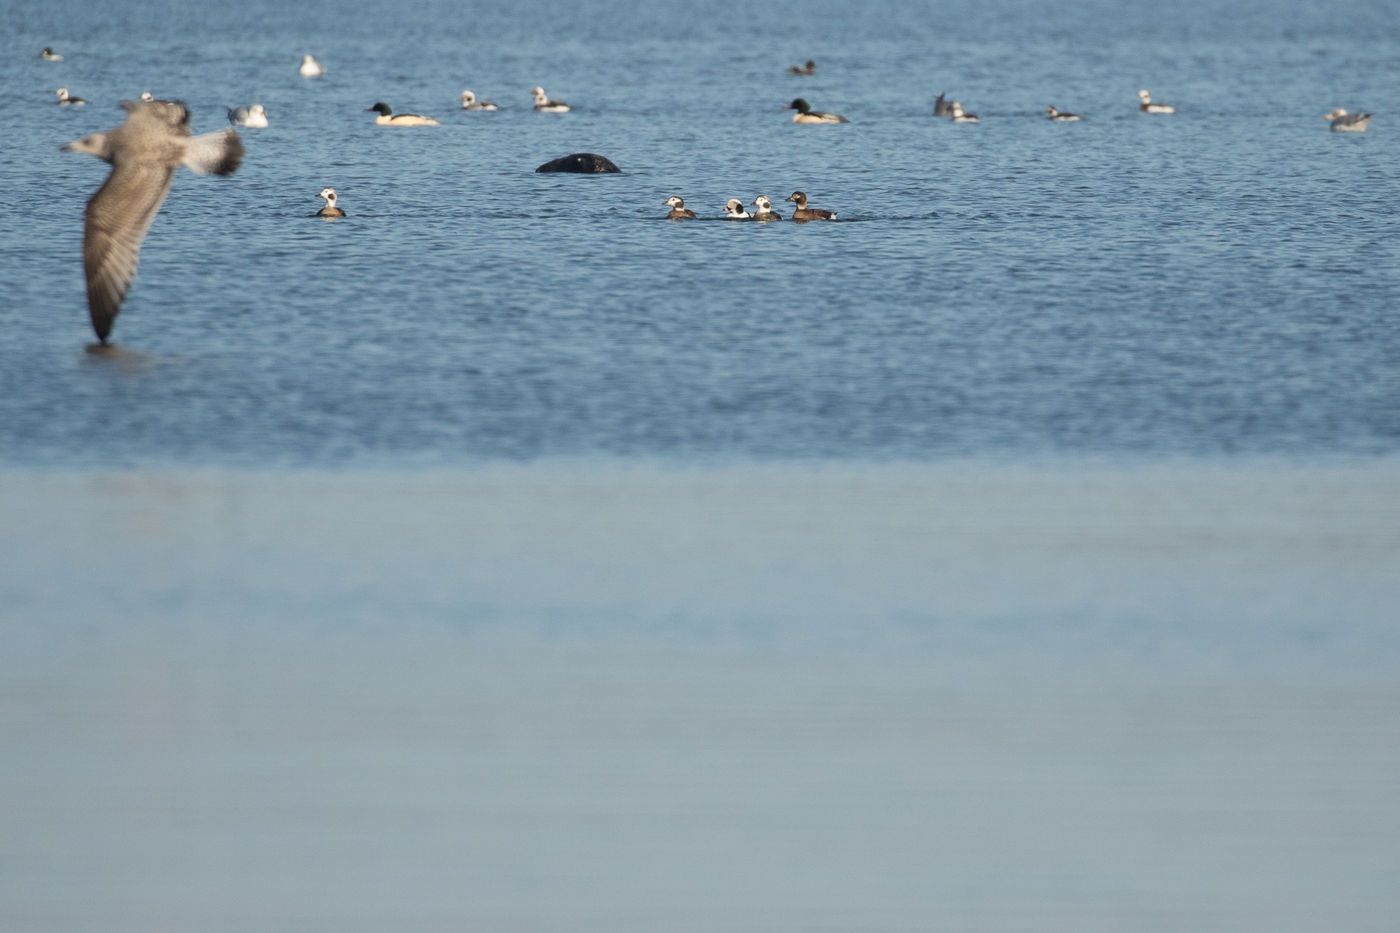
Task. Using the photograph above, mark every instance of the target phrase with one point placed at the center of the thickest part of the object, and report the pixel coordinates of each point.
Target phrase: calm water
(1017, 553)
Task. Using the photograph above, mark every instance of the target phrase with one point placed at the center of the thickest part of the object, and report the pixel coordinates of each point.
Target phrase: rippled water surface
(1219, 281)
(1017, 552)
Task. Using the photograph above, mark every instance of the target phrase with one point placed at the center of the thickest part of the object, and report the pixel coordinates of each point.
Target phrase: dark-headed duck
(805, 114)
(387, 117)
(803, 212)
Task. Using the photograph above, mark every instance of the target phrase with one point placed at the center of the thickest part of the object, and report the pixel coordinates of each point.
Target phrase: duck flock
(155, 140)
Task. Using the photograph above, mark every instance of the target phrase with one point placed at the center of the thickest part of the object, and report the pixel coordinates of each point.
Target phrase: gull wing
(114, 224)
(214, 153)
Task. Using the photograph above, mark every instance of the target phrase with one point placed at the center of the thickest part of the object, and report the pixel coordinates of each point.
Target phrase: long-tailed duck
(1061, 117)
(66, 100)
(678, 209)
(388, 118)
(544, 105)
(254, 116)
(469, 102)
(1146, 105)
(330, 210)
(310, 68)
(765, 210)
(1343, 122)
(144, 153)
(808, 69)
(49, 55)
(959, 115)
(803, 212)
(805, 114)
(734, 210)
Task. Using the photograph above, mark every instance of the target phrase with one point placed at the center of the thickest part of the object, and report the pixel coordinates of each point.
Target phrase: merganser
(805, 114)
(388, 118)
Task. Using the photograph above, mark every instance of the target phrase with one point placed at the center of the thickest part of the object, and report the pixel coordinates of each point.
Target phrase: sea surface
(1018, 552)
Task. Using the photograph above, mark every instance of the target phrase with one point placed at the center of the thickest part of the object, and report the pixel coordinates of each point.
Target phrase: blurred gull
(144, 153)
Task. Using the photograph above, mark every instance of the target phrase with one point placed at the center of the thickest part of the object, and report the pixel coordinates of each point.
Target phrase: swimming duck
(544, 105)
(1060, 117)
(765, 210)
(1343, 122)
(310, 68)
(388, 118)
(734, 210)
(1148, 107)
(66, 101)
(49, 55)
(254, 116)
(955, 110)
(805, 114)
(144, 153)
(808, 69)
(469, 102)
(803, 212)
(147, 96)
(941, 108)
(330, 210)
(678, 209)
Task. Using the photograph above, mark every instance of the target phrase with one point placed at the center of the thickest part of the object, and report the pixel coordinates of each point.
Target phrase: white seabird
(1343, 122)
(310, 68)
(144, 153)
(254, 116)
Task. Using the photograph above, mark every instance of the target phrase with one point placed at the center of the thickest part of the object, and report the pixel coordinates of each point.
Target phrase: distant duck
(330, 210)
(1148, 107)
(805, 114)
(147, 96)
(678, 209)
(959, 115)
(469, 102)
(310, 68)
(49, 55)
(803, 212)
(765, 210)
(1343, 122)
(64, 100)
(808, 69)
(254, 116)
(942, 108)
(734, 210)
(388, 118)
(544, 105)
(1060, 117)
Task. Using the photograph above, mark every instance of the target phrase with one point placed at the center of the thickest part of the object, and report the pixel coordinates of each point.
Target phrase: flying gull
(144, 153)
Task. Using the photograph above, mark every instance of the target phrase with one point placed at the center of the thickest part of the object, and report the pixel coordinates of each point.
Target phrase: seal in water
(583, 163)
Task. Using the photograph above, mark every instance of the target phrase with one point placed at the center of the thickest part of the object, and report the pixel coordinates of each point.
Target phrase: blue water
(1223, 281)
(1016, 553)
